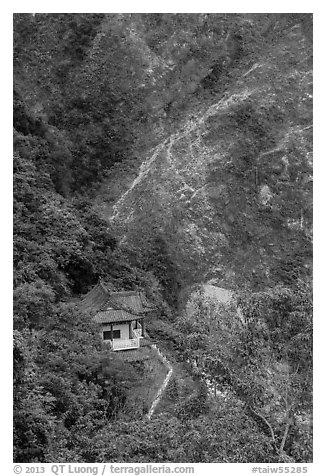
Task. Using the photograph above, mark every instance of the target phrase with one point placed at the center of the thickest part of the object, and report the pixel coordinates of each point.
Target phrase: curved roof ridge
(101, 299)
(125, 293)
(96, 298)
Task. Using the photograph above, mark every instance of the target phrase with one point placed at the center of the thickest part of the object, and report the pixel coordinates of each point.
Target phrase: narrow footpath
(161, 390)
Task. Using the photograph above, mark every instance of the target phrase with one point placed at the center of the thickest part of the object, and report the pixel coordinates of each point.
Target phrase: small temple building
(120, 314)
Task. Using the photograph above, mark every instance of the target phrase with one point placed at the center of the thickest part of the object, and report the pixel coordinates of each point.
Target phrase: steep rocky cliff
(230, 191)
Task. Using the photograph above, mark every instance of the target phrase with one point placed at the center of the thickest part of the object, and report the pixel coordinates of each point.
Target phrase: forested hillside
(162, 152)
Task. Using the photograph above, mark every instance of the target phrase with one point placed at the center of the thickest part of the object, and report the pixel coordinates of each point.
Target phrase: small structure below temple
(120, 314)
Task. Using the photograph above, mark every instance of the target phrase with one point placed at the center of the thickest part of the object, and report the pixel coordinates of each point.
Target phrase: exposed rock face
(216, 300)
(225, 189)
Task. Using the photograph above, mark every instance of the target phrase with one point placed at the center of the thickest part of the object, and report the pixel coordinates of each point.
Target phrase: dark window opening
(107, 335)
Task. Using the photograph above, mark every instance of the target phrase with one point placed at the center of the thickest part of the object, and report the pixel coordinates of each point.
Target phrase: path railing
(122, 344)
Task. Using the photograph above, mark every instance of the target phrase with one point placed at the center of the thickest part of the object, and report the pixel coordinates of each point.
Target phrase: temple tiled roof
(132, 301)
(113, 315)
(98, 298)
(116, 306)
